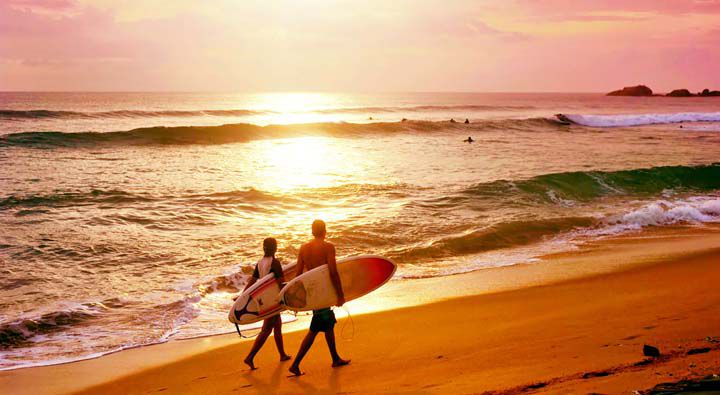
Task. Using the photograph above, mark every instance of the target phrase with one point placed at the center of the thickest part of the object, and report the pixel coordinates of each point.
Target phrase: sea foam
(609, 121)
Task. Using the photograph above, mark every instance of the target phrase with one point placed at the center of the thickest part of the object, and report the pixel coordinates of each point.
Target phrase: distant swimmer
(370, 119)
(468, 140)
(404, 120)
(563, 119)
(452, 120)
(467, 120)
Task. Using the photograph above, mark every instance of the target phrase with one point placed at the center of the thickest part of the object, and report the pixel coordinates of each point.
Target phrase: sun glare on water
(296, 107)
(305, 162)
(310, 166)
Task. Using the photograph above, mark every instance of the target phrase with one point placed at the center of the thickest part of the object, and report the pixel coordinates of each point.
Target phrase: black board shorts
(323, 320)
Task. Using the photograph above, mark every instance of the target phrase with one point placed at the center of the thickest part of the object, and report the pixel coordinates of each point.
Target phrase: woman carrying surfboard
(268, 264)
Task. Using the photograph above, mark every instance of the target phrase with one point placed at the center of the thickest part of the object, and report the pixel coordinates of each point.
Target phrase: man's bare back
(316, 253)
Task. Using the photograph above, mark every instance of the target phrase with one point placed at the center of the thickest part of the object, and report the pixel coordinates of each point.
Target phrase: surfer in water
(316, 253)
(268, 264)
(468, 140)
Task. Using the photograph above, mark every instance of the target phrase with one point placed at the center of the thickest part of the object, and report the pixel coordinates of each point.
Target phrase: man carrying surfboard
(265, 266)
(316, 253)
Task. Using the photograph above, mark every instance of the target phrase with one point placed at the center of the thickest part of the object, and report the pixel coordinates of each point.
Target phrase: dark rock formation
(680, 93)
(707, 385)
(708, 92)
(702, 350)
(640, 90)
(650, 351)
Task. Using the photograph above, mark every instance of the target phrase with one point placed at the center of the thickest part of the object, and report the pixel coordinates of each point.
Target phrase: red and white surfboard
(261, 300)
(359, 276)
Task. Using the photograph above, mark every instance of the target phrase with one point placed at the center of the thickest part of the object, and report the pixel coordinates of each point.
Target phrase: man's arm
(334, 276)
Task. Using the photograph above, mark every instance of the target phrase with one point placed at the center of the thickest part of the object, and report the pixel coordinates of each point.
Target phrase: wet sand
(574, 323)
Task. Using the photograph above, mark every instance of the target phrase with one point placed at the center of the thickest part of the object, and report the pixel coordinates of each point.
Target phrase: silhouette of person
(268, 264)
(315, 253)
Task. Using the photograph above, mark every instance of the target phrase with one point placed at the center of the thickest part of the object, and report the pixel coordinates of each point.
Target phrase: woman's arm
(250, 283)
(278, 270)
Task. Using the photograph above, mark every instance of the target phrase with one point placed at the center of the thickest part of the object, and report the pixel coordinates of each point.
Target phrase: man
(316, 253)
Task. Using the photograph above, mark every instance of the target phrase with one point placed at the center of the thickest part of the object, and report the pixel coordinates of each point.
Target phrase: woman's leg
(259, 341)
(277, 334)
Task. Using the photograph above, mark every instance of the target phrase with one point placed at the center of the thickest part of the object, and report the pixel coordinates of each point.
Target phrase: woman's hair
(270, 246)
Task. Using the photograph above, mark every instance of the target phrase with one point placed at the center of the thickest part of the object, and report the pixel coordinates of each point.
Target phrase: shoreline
(658, 249)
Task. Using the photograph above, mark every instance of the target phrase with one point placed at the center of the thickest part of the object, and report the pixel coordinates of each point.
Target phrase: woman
(265, 266)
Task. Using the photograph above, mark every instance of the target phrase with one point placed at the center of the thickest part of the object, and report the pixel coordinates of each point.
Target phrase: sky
(368, 46)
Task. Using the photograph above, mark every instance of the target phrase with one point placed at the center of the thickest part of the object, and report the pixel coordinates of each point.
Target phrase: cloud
(48, 8)
(345, 45)
(667, 7)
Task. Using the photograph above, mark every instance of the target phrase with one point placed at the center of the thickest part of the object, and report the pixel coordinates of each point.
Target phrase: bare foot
(295, 370)
(249, 362)
(340, 362)
(285, 357)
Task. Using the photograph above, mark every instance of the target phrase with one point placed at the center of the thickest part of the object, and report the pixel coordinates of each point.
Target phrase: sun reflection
(297, 107)
(309, 168)
(306, 162)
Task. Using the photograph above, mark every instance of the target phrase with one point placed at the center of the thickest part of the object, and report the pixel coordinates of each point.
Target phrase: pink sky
(313, 45)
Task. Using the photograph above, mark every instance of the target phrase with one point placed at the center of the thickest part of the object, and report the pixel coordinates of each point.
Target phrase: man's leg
(330, 339)
(304, 347)
(264, 333)
(277, 334)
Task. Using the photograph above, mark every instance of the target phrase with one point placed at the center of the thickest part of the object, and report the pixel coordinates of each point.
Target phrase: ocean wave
(663, 212)
(619, 120)
(233, 281)
(496, 237)
(7, 114)
(52, 114)
(62, 199)
(20, 332)
(251, 199)
(427, 108)
(566, 188)
(233, 133)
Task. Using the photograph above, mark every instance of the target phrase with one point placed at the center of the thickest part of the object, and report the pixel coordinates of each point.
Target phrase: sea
(129, 219)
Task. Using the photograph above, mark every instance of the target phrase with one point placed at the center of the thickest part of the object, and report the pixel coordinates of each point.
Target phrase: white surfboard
(261, 300)
(359, 276)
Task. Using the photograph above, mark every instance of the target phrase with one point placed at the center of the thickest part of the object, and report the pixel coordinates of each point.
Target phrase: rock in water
(650, 351)
(680, 93)
(640, 90)
(708, 92)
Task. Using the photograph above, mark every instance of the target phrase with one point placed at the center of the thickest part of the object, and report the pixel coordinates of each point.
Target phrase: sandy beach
(574, 323)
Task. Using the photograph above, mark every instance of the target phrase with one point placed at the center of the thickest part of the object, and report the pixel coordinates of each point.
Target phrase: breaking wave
(243, 132)
(6, 114)
(20, 332)
(609, 121)
(569, 187)
(499, 236)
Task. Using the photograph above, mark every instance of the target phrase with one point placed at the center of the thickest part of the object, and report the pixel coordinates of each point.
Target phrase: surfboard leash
(352, 325)
(240, 332)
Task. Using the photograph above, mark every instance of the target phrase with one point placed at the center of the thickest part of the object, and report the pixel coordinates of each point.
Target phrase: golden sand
(574, 323)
